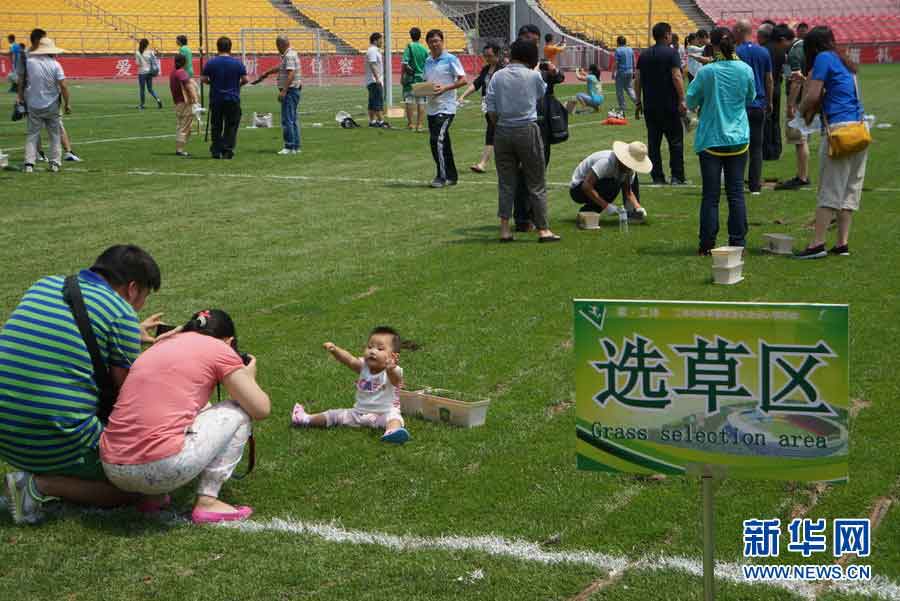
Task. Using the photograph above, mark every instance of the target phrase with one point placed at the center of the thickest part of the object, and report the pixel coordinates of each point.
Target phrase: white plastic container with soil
(728, 264)
(441, 405)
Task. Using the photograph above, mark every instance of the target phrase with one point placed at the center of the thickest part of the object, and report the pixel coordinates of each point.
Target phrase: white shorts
(411, 99)
(355, 418)
(840, 180)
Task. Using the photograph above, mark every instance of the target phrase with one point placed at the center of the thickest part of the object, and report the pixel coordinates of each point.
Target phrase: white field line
(878, 587)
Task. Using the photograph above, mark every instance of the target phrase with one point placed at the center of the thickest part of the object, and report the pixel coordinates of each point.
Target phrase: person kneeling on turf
(597, 180)
(377, 398)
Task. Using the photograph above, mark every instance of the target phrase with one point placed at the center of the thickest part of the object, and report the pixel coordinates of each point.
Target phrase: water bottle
(623, 221)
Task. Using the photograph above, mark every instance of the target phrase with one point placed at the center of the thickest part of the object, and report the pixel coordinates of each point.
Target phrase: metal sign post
(388, 60)
(709, 541)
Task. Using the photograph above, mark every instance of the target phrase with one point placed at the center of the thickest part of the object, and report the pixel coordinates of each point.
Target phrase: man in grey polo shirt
(288, 93)
(511, 101)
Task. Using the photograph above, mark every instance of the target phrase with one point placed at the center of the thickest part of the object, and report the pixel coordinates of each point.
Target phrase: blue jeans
(624, 85)
(593, 101)
(146, 81)
(290, 127)
(711, 168)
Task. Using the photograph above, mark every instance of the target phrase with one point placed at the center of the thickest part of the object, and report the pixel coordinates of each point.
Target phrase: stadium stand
(873, 21)
(597, 22)
(353, 20)
(113, 26)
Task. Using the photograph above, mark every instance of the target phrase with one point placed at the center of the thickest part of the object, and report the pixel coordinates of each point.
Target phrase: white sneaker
(24, 507)
(71, 156)
(295, 151)
(28, 169)
(285, 151)
(42, 158)
(53, 168)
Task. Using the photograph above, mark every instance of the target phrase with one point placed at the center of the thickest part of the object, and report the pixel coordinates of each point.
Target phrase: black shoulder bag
(107, 397)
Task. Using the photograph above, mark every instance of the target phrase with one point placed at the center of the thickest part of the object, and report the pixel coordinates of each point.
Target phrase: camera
(544, 65)
(245, 357)
(163, 328)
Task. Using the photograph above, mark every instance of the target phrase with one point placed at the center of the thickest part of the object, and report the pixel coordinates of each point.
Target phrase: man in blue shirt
(14, 50)
(624, 73)
(224, 75)
(760, 61)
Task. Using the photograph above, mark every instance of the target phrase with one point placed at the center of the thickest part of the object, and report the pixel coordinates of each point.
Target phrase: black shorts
(376, 97)
(489, 132)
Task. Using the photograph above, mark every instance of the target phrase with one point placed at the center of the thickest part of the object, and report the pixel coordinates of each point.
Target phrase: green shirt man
(413, 60)
(185, 51)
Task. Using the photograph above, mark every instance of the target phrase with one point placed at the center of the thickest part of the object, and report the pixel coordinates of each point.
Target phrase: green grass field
(327, 244)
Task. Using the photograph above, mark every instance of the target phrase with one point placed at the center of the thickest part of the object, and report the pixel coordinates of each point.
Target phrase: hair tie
(203, 318)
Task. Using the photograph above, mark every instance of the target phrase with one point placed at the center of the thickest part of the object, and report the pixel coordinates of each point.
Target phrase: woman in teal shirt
(594, 96)
(722, 90)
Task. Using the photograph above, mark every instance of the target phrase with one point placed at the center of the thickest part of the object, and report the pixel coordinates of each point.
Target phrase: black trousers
(608, 189)
(757, 118)
(441, 149)
(666, 124)
(772, 131)
(224, 121)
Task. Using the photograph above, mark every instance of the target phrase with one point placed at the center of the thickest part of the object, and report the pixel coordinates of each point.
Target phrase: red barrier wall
(335, 66)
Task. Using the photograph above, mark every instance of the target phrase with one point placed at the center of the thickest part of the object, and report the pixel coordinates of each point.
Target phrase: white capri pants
(355, 418)
(213, 446)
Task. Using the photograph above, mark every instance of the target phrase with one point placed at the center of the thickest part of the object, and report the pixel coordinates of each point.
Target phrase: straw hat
(46, 46)
(633, 156)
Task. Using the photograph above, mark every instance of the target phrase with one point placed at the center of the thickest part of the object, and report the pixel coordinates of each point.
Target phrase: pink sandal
(297, 415)
(242, 512)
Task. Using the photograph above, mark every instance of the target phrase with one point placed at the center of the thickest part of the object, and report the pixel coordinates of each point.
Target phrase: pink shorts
(355, 418)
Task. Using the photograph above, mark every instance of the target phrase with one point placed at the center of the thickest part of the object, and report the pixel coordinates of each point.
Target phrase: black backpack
(349, 123)
(554, 118)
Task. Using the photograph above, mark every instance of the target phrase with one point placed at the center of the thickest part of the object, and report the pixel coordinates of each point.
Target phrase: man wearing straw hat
(45, 85)
(599, 178)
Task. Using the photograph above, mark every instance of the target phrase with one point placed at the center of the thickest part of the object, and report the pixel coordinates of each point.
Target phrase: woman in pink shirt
(163, 433)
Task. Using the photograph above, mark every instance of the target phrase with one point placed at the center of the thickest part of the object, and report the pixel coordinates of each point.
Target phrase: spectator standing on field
(225, 75)
(145, 59)
(624, 73)
(833, 91)
(375, 80)
(14, 50)
(45, 85)
(794, 89)
(185, 51)
(779, 42)
(446, 74)
(659, 88)
(720, 92)
(759, 60)
(413, 65)
(289, 87)
(491, 57)
(184, 97)
(511, 102)
(696, 59)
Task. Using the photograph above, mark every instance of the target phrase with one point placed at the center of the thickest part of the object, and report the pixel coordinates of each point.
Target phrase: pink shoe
(298, 415)
(152, 506)
(199, 516)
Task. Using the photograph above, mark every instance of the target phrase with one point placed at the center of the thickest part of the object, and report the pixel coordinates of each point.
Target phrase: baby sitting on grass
(377, 398)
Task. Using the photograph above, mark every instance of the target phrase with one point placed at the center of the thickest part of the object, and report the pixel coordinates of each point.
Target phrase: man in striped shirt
(48, 396)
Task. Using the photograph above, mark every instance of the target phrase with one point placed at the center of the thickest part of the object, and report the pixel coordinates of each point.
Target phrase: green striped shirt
(48, 397)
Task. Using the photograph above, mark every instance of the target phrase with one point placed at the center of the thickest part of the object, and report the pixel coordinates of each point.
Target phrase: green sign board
(749, 390)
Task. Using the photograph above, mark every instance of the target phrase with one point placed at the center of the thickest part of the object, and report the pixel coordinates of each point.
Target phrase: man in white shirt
(598, 179)
(375, 81)
(45, 84)
(446, 74)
